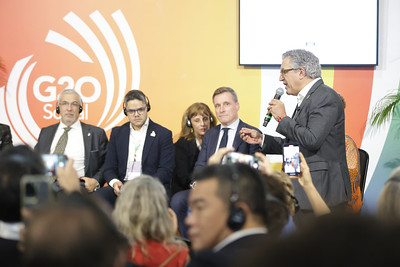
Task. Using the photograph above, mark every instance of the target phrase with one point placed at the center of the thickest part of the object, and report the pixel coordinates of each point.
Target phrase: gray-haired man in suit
(317, 125)
(86, 144)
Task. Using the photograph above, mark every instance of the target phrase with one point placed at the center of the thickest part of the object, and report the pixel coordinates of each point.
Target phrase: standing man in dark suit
(317, 125)
(140, 146)
(86, 144)
(5, 137)
(227, 106)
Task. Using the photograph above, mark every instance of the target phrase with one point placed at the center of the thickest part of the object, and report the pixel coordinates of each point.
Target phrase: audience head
(196, 121)
(141, 212)
(73, 233)
(226, 198)
(69, 106)
(136, 106)
(332, 240)
(389, 199)
(226, 105)
(15, 163)
(297, 68)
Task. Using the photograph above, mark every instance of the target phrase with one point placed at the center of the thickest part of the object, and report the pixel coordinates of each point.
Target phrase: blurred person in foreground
(14, 164)
(73, 231)
(142, 215)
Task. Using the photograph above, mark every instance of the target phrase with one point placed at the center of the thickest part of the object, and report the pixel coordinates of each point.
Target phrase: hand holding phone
(291, 159)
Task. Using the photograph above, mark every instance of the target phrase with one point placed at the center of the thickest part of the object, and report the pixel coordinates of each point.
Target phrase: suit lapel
(306, 100)
(123, 142)
(214, 140)
(87, 141)
(149, 139)
(52, 132)
(237, 141)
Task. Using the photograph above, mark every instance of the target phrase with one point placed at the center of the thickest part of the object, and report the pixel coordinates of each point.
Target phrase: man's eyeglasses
(139, 111)
(285, 71)
(66, 103)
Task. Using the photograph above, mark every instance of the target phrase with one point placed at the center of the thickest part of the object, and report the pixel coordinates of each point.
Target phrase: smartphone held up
(291, 159)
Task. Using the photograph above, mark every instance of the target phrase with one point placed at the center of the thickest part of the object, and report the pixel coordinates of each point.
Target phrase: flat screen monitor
(338, 32)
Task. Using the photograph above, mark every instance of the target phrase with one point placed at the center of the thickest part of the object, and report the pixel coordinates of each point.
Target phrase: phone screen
(52, 161)
(36, 190)
(291, 159)
(234, 157)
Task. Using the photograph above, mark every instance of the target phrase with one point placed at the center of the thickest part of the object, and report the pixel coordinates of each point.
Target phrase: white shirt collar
(239, 234)
(75, 125)
(143, 128)
(305, 90)
(233, 125)
(10, 231)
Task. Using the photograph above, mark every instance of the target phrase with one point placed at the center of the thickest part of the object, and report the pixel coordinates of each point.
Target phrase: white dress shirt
(75, 148)
(231, 134)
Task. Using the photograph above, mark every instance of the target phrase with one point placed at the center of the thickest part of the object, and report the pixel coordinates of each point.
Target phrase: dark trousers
(179, 204)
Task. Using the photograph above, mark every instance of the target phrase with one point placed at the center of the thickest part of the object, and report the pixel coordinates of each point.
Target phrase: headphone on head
(237, 217)
(189, 123)
(136, 94)
(58, 109)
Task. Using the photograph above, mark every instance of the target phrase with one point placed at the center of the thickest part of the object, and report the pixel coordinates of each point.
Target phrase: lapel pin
(153, 134)
(88, 134)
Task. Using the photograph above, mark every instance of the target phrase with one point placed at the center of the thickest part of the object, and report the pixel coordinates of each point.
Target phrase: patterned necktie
(224, 140)
(62, 142)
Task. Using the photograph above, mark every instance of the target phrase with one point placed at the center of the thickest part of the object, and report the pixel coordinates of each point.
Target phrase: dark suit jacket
(157, 158)
(5, 137)
(318, 127)
(210, 141)
(9, 253)
(186, 154)
(95, 141)
(238, 253)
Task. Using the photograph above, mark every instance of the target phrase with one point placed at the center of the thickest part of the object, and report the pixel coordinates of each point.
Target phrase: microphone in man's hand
(268, 116)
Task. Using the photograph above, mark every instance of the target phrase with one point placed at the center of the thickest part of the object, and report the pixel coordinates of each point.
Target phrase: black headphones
(189, 123)
(58, 109)
(237, 217)
(136, 94)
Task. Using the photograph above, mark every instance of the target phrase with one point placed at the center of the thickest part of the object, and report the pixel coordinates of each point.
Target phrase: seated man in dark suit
(86, 144)
(14, 163)
(140, 146)
(5, 137)
(226, 134)
(228, 214)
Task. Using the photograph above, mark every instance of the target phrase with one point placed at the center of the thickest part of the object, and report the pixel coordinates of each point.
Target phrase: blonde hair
(192, 111)
(389, 199)
(141, 213)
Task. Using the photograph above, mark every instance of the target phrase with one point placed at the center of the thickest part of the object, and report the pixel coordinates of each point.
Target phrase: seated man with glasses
(86, 144)
(138, 147)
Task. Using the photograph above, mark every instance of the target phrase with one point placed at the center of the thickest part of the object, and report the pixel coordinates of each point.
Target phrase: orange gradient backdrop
(186, 50)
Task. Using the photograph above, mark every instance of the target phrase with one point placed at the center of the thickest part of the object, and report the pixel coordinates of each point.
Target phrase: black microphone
(278, 94)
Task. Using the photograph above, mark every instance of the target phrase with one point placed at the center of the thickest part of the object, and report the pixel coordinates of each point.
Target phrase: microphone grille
(279, 91)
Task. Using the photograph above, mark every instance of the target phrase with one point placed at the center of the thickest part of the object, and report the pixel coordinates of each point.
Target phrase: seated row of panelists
(141, 146)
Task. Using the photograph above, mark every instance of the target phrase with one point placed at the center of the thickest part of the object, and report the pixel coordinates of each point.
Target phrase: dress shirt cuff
(112, 182)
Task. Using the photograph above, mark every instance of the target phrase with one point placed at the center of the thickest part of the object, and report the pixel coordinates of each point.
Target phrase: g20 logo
(114, 55)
